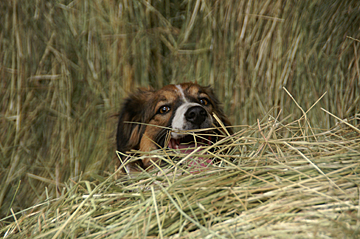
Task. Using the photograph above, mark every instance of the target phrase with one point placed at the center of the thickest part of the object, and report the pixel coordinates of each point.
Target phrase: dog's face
(152, 119)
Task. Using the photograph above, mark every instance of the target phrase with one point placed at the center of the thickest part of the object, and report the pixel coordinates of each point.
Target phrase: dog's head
(152, 119)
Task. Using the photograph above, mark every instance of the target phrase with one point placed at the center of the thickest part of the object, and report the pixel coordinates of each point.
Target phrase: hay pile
(278, 181)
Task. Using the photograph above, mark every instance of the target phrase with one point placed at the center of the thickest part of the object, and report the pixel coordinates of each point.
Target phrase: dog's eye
(204, 101)
(164, 109)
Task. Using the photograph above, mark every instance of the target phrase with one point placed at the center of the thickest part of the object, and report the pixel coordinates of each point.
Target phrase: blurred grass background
(65, 67)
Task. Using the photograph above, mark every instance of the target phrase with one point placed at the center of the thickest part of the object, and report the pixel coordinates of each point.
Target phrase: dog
(151, 119)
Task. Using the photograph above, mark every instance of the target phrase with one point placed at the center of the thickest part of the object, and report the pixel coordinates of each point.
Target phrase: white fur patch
(181, 93)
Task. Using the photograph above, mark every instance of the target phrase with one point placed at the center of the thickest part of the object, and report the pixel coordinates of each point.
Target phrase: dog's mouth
(189, 142)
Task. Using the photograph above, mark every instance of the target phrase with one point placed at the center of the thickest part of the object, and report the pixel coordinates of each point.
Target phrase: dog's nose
(196, 115)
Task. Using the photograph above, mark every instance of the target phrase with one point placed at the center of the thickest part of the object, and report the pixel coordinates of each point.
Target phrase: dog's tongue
(200, 163)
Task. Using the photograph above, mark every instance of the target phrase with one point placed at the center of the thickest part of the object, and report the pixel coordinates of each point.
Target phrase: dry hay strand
(264, 185)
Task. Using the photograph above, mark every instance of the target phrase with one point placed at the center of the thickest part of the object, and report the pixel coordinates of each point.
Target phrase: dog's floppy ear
(132, 113)
(218, 110)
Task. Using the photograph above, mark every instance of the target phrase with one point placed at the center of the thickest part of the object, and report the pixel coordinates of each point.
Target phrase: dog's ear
(132, 116)
(218, 109)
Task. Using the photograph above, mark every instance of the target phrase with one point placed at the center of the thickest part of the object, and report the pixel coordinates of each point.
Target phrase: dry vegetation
(65, 66)
(306, 186)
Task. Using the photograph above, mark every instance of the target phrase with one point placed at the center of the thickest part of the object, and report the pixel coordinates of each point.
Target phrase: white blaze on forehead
(181, 93)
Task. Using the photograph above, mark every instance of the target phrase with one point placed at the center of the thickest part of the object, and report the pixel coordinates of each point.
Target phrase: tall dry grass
(66, 65)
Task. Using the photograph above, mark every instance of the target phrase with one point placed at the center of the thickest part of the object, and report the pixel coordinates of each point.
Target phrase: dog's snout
(196, 115)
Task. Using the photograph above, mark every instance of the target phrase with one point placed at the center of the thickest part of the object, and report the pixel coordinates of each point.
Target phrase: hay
(268, 186)
(65, 67)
